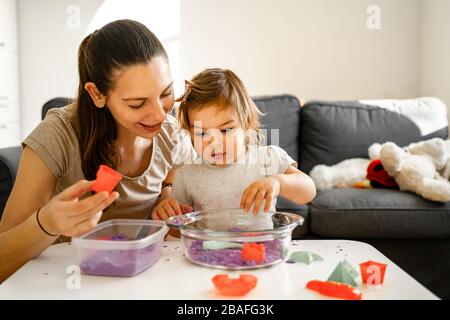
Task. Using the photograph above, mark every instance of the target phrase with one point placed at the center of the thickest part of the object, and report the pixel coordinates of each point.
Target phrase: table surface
(49, 276)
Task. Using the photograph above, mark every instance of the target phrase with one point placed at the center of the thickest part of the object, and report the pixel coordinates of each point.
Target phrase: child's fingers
(258, 200)
(244, 197)
(250, 195)
(168, 209)
(156, 216)
(268, 202)
(175, 206)
(161, 212)
(185, 208)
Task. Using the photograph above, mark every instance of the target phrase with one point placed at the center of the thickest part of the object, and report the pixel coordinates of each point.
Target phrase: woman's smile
(150, 128)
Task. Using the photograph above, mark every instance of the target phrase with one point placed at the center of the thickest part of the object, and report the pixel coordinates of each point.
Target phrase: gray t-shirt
(205, 186)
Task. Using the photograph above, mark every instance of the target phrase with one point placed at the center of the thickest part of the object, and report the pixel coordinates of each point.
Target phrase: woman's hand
(66, 215)
(168, 208)
(263, 189)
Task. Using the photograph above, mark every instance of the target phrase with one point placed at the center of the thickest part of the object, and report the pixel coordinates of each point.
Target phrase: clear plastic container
(234, 239)
(120, 247)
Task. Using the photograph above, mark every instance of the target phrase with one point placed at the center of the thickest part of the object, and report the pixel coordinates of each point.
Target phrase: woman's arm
(21, 238)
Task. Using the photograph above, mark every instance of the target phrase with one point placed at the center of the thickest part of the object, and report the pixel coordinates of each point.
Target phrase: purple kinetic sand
(119, 237)
(115, 237)
(121, 262)
(232, 257)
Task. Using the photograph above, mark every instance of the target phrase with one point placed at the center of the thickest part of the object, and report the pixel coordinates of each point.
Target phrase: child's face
(217, 135)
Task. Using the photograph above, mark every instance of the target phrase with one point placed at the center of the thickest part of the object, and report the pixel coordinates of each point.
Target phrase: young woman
(120, 118)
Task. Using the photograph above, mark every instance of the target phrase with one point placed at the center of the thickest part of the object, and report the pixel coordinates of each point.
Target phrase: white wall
(310, 48)
(48, 53)
(435, 50)
(315, 49)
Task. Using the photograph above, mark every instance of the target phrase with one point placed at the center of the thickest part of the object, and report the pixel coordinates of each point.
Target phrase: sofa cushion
(378, 213)
(9, 162)
(334, 131)
(282, 115)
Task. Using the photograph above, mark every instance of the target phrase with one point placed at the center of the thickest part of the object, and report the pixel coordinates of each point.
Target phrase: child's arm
(292, 184)
(296, 185)
(166, 191)
(172, 200)
(167, 204)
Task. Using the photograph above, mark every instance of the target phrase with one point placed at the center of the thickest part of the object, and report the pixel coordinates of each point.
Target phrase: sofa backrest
(58, 102)
(10, 157)
(282, 119)
(9, 162)
(332, 131)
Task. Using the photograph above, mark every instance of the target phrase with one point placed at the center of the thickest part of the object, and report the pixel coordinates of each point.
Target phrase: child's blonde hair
(223, 88)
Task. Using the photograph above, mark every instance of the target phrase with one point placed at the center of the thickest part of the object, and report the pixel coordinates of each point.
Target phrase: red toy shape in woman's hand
(107, 179)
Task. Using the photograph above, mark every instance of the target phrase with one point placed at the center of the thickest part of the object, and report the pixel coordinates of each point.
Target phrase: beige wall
(435, 50)
(48, 53)
(310, 48)
(314, 49)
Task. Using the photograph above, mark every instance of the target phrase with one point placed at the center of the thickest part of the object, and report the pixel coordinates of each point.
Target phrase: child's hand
(263, 189)
(168, 208)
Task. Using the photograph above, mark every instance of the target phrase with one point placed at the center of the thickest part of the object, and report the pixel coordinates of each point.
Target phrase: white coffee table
(174, 277)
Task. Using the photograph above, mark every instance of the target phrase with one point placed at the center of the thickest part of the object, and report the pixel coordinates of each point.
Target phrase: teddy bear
(422, 167)
(353, 173)
(341, 175)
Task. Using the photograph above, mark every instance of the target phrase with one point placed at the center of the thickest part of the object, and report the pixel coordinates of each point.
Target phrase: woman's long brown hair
(117, 45)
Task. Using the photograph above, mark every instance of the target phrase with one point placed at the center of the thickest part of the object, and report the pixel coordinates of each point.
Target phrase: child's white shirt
(205, 186)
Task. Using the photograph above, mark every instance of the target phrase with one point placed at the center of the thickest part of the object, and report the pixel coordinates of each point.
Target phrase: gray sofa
(411, 231)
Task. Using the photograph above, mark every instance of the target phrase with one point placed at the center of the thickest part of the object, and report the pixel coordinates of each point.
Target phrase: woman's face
(141, 98)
